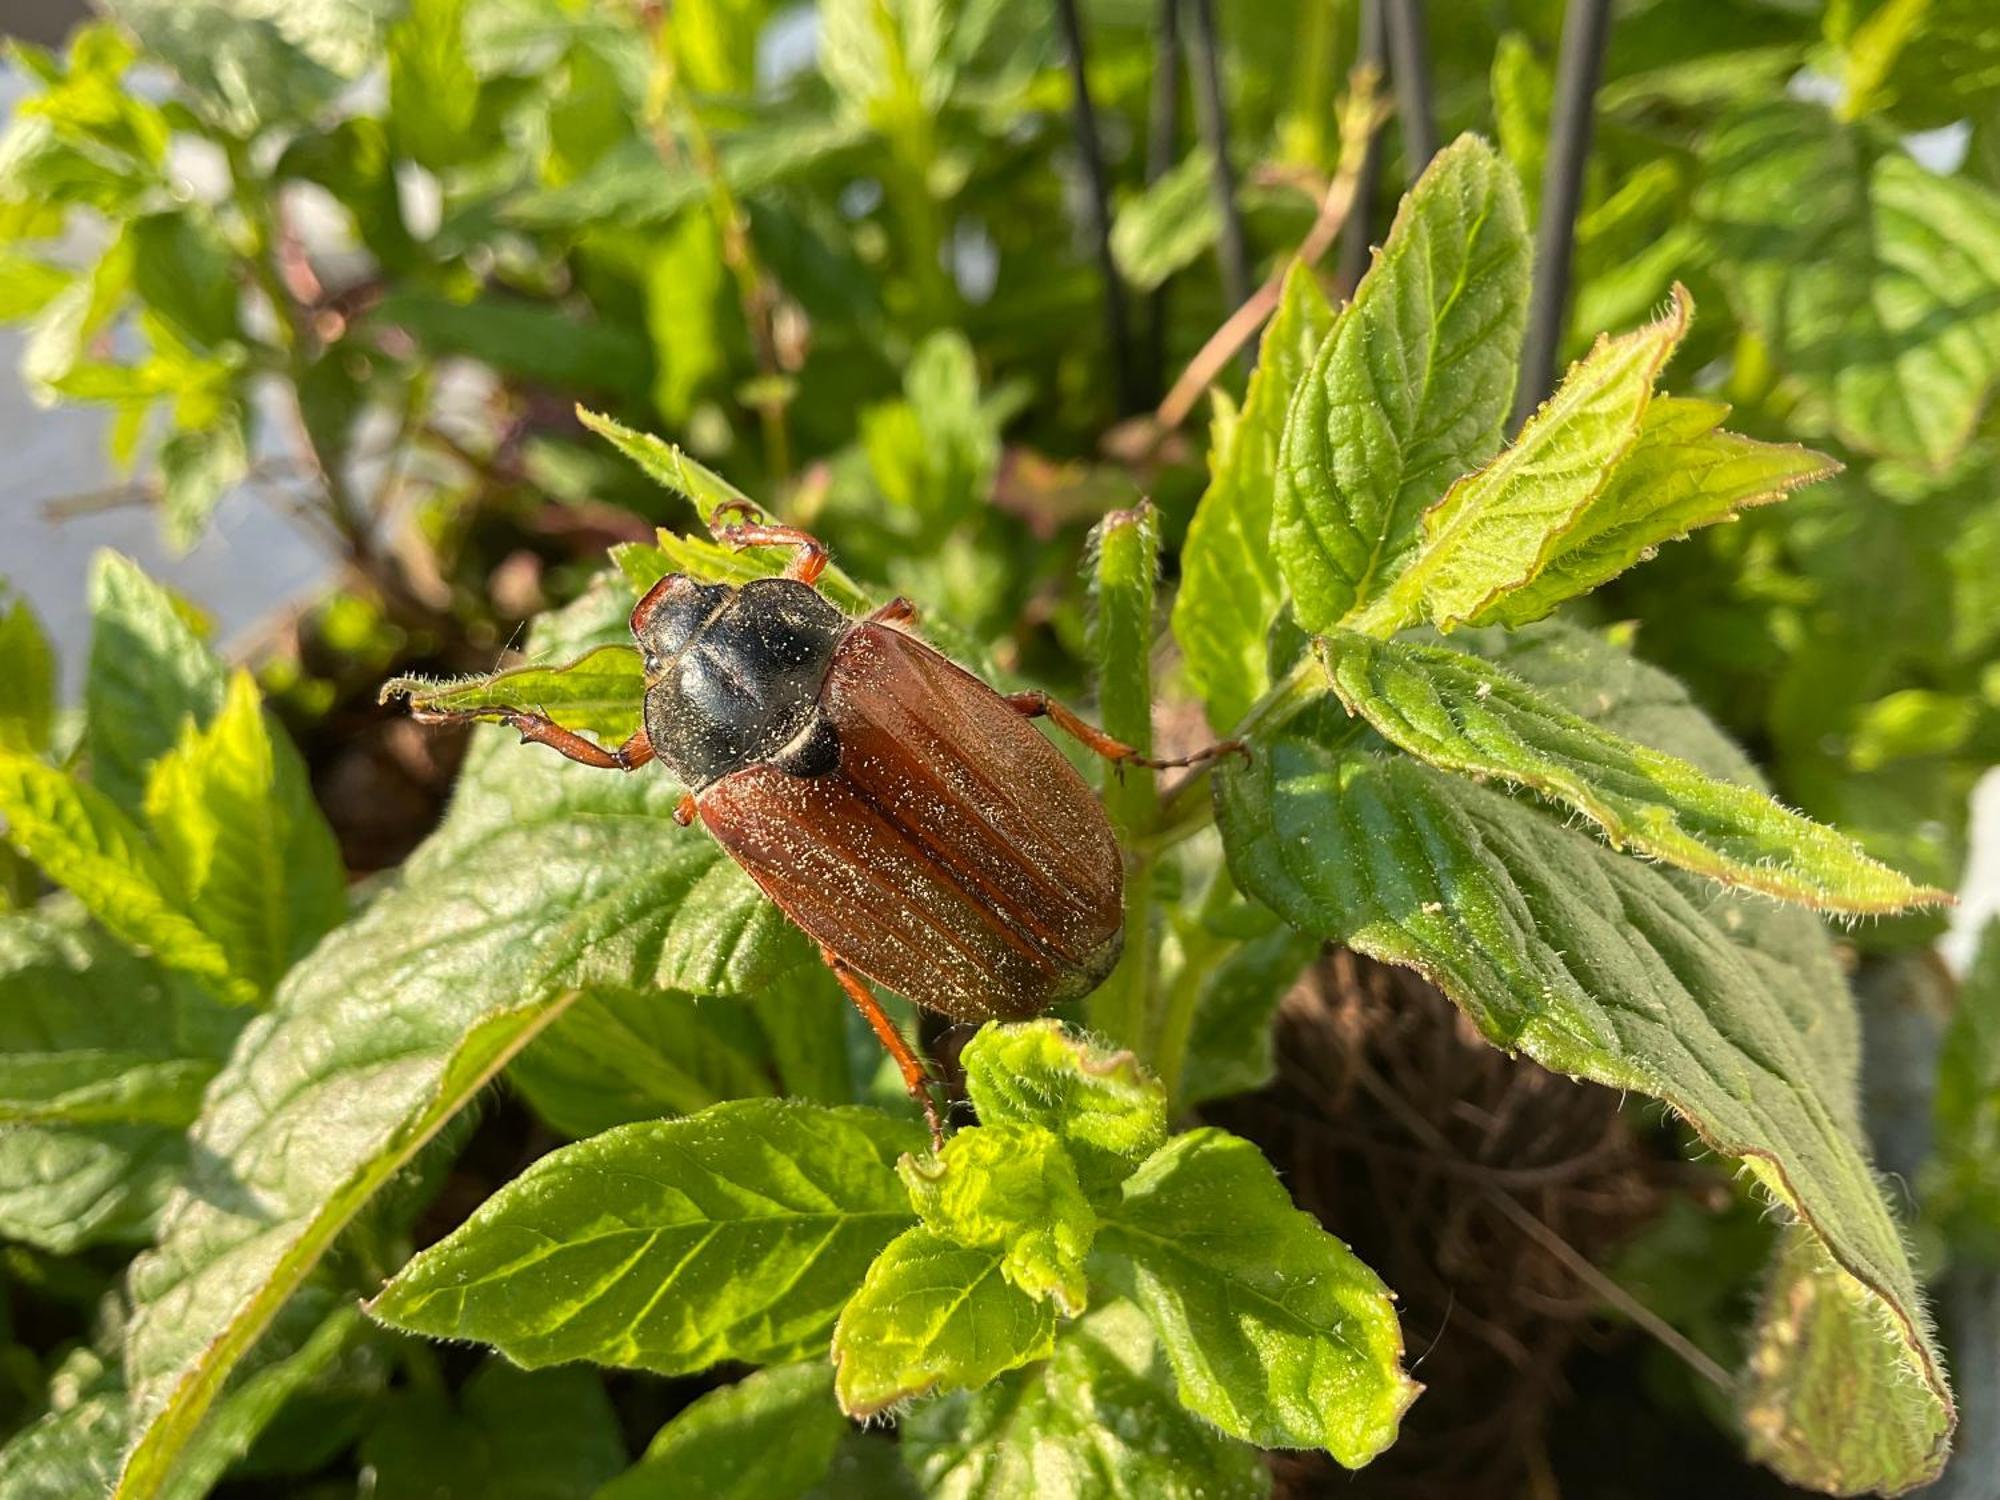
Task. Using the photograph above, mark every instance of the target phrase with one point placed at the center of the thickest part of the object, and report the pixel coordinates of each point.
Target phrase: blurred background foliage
(364, 255)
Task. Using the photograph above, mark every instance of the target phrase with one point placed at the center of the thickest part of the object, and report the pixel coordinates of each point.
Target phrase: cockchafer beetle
(894, 806)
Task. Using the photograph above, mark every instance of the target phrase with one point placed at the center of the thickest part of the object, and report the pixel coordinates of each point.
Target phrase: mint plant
(466, 1174)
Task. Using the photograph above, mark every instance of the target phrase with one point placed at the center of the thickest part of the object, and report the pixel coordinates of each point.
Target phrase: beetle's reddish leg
(809, 552)
(898, 611)
(915, 1078)
(686, 809)
(536, 730)
(1035, 705)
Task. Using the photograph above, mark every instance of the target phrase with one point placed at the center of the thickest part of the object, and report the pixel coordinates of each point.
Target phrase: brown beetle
(899, 810)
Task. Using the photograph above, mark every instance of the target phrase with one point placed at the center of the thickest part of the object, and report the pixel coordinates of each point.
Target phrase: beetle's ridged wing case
(954, 857)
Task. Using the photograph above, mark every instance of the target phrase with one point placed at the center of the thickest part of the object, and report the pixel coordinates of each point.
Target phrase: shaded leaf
(1884, 302)
(1109, 1114)
(670, 1245)
(770, 1436)
(1275, 1332)
(602, 693)
(1230, 584)
(1098, 1421)
(619, 1055)
(1961, 1187)
(1497, 527)
(198, 467)
(1462, 714)
(510, 1435)
(933, 1315)
(1410, 390)
(533, 341)
(27, 681)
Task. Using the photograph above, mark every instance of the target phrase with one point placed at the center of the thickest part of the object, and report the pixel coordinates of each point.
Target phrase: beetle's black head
(733, 675)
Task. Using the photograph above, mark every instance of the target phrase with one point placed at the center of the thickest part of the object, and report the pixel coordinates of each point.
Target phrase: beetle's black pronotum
(902, 812)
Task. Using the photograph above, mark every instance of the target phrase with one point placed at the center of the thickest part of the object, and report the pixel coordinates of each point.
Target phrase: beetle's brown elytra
(894, 806)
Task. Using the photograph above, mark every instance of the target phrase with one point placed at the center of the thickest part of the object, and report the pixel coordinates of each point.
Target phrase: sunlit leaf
(602, 693)
(933, 1315)
(1466, 715)
(1098, 1421)
(1410, 390)
(1497, 527)
(1275, 1332)
(671, 1245)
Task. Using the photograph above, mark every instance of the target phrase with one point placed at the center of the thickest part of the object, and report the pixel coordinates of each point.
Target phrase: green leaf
(433, 90)
(1461, 714)
(670, 1245)
(1231, 1047)
(250, 852)
(1523, 100)
(1107, 1112)
(689, 301)
(545, 877)
(1497, 527)
(933, 1315)
(602, 693)
(670, 467)
(1098, 1421)
(1275, 1332)
(183, 270)
(770, 1436)
(1591, 962)
(1827, 1399)
(1167, 227)
(198, 467)
(1014, 1187)
(244, 70)
(149, 671)
(1410, 390)
(27, 681)
(1883, 303)
(1684, 472)
(619, 1055)
(1230, 584)
(1961, 1188)
(83, 843)
(27, 285)
(707, 491)
(511, 1435)
(537, 342)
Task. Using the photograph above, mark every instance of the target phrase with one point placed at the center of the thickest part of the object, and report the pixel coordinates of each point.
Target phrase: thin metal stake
(1586, 30)
(1116, 325)
(1205, 62)
(1409, 59)
(1371, 51)
(1162, 150)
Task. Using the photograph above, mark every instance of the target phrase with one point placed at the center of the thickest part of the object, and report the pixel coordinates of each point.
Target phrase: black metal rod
(1232, 251)
(1163, 127)
(1586, 30)
(1098, 208)
(1371, 51)
(1410, 61)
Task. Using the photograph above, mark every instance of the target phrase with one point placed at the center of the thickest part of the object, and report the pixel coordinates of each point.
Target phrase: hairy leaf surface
(601, 693)
(671, 1245)
(1466, 715)
(1595, 964)
(770, 1436)
(1410, 390)
(1275, 1332)
(1097, 1421)
(1231, 586)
